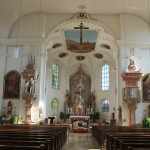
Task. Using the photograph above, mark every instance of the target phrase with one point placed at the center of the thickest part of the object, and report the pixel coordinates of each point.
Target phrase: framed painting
(11, 89)
(146, 88)
(80, 42)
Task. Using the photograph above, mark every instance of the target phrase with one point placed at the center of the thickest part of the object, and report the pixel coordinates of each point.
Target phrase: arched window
(54, 105)
(105, 77)
(55, 76)
(105, 105)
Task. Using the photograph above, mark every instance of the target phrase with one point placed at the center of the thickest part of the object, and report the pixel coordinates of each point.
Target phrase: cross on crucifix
(81, 31)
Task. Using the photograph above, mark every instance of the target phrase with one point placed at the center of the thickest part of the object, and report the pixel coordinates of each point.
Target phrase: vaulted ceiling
(9, 8)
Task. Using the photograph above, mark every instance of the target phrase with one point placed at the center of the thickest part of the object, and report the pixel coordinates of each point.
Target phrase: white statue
(26, 87)
(32, 87)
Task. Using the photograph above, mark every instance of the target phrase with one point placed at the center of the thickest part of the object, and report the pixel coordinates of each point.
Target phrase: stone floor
(81, 141)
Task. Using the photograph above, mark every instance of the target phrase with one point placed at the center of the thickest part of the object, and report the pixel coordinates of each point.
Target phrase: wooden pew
(56, 135)
(123, 146)
(26, 143)
(104, 135)
(16, 147)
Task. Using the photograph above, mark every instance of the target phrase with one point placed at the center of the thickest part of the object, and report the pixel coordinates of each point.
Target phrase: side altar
(80, 123)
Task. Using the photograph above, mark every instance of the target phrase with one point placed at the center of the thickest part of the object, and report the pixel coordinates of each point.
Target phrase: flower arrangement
(104, 121)
(41, 122)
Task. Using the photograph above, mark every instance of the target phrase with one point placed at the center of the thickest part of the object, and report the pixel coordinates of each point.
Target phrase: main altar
(80, 101)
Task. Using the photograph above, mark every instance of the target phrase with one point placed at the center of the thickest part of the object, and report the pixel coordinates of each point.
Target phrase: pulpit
(131, 92)
(80, 124)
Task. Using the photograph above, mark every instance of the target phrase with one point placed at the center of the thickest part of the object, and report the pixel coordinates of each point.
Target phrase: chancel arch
(78, 62)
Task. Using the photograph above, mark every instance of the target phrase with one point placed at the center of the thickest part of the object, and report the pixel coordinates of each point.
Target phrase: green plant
(96, 115)
(68, 115)
(91, 116)
(61, 115)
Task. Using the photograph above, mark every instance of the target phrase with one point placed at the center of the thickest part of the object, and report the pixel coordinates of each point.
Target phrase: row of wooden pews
(32, 137)
(122, 138)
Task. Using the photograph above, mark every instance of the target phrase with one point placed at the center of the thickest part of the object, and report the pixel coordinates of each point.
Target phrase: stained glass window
(105, 105)
(55, 76)
(54, 105)
(105, 77)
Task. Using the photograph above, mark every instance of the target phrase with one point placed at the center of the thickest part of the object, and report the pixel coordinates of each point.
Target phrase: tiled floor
(80, 141)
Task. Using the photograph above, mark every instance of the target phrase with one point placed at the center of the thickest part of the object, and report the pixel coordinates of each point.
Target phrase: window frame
(105, 105)
(105, 77)
(52, 101)
(55, 76)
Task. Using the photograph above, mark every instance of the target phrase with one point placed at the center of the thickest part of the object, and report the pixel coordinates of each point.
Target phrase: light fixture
(39, 26)
(16, 49)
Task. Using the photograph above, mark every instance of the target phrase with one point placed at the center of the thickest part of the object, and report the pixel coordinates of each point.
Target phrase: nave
(80, 141)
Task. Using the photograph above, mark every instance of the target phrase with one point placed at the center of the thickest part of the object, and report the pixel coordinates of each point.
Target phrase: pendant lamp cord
(149, 20)
(124, 26)
(18, 22)
(39, 26)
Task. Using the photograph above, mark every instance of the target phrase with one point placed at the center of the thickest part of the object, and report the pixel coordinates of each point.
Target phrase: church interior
(75, 67)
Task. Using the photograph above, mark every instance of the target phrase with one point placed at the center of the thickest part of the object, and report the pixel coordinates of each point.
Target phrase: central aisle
(80, 141)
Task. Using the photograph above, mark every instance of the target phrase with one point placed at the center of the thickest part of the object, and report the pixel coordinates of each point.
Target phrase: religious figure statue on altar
(80, 92)
(67, 95)
(80, 111)
(92, 97)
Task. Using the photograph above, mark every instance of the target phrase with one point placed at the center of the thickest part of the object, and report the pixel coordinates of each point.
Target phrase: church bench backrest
(26, 143)
(118, 141)
(29, 139)
(124, 145)
(16, 147)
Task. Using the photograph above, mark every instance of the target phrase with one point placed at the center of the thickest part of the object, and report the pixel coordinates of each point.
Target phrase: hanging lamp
(16, 49)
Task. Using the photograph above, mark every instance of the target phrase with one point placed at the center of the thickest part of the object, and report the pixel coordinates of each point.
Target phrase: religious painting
(146, 88)
(80, 41)
(11, 88)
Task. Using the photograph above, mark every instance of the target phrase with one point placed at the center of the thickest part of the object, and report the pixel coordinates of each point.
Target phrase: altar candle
(91, 110)
(68, 109)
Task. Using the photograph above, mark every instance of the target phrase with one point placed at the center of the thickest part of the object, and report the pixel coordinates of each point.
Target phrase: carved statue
(9, 109)
(132, 66)
(32, 59)
(92, 97)
(26, 87)
(40, 113)
(67, 96)
(32, 87)
(120, 113)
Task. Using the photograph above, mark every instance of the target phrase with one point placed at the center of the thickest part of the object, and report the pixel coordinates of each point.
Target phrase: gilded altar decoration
(12, 85)
(146, 88)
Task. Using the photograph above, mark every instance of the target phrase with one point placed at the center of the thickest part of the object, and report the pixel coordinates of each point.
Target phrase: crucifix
(81, 31)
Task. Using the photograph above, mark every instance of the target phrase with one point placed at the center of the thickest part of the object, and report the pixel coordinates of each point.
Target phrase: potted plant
(61, 115)
(96, 116)
(68, 116)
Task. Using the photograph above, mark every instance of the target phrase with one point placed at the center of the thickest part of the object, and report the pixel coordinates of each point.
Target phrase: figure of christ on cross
(81, 31)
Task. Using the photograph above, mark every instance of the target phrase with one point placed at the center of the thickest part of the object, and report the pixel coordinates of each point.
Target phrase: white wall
(137, 31)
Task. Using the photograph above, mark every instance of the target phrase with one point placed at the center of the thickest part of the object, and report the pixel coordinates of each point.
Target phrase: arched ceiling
(105, 48)
(9, 8)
